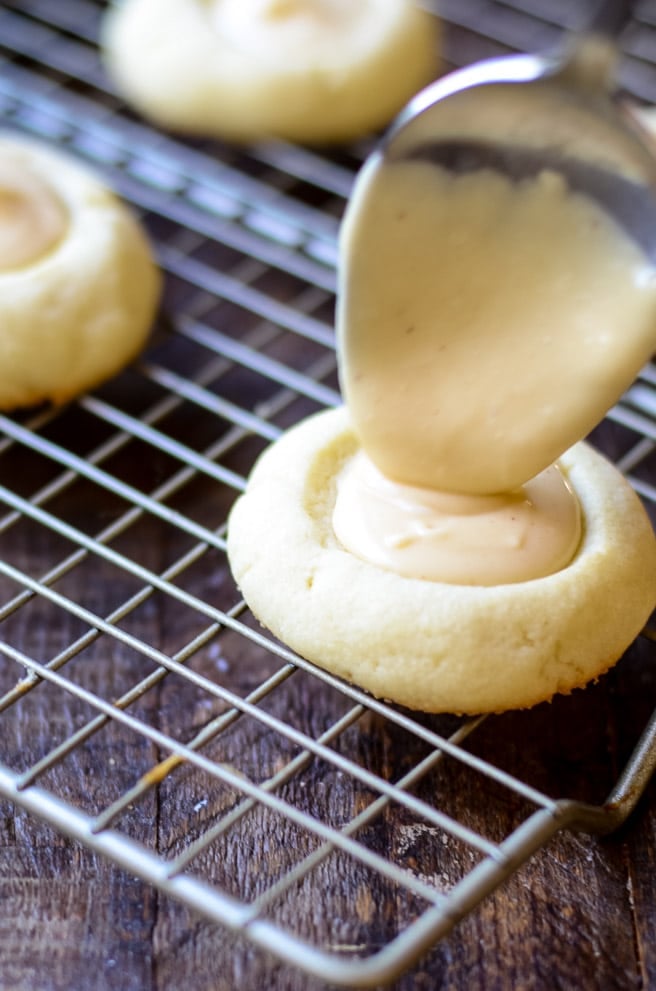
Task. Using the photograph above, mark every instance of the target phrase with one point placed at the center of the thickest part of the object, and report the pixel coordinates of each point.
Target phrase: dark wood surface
(580, 914)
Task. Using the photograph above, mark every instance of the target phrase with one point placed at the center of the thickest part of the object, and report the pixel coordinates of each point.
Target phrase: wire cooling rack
(143, 711)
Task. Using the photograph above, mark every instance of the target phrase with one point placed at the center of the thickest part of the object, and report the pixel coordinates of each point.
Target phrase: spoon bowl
(522, 114)
(498, 272)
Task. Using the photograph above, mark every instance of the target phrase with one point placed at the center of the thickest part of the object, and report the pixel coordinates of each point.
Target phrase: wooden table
(580, 914)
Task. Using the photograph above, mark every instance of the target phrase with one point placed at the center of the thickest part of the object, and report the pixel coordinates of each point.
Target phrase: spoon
(522, 114)
(470, 369)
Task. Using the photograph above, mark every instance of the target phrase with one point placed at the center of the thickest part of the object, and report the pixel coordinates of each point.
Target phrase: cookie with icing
(78, 283)
(425, 644)
(310, 71)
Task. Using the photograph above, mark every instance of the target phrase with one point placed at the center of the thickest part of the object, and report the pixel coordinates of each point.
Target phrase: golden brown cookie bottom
(429, 645)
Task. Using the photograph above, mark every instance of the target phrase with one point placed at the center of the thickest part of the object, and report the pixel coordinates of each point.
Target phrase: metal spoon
(520, 117)
(522, 114)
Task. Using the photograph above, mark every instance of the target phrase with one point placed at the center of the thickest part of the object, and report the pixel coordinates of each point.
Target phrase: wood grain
(579, 914)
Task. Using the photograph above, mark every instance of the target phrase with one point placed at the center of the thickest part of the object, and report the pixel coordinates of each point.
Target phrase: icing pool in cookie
(292, 29)
(460, 539)
(33, 218)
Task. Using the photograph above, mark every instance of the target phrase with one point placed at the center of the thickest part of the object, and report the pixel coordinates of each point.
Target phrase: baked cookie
(312, 71)
(424, 644)
(78, 285)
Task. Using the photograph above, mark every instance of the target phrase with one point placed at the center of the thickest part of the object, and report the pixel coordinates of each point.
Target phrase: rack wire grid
(123, 636)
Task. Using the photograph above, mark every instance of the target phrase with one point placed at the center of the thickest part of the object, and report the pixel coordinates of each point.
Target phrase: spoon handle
(609, 17)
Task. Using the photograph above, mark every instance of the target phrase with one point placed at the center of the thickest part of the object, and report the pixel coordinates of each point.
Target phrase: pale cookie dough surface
(429, 645)
(77, 314)
(311, 71)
